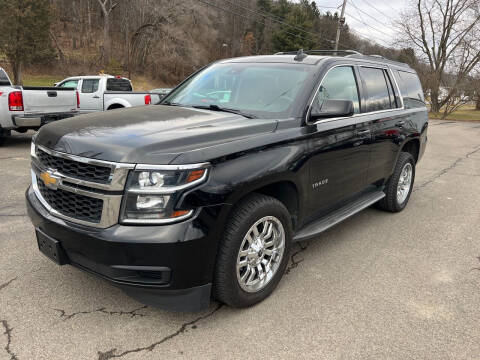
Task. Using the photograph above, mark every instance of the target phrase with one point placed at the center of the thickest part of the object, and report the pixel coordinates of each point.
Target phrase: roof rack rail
(302, 54)
(319, 52)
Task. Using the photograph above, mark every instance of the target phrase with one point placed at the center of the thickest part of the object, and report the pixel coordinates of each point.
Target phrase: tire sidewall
(242, 297)
(405, 159)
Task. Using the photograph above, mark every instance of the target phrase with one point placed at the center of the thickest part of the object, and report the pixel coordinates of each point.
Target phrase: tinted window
(90, 85)
(118, 85)
(378, 97)
(69, 84)
(4, 78)
(411, 89)
(338, 84)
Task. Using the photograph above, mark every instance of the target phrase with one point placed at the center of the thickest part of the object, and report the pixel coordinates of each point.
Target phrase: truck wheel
(400, 185)
(3, 135)
(254, 251)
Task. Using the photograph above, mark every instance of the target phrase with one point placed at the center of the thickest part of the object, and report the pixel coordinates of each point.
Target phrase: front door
(340, 147)
(91, 98)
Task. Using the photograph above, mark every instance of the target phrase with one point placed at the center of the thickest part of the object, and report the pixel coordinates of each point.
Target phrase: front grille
(75, 169)
(72, 205)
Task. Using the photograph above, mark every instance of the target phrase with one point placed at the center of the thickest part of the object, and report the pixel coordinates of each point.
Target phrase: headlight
(152, 195)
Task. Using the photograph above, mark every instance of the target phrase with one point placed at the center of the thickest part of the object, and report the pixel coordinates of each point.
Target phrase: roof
(92, 77)
(313, 57)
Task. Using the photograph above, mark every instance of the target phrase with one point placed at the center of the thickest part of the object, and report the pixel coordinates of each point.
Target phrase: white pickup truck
(107, 92)
(24, 108)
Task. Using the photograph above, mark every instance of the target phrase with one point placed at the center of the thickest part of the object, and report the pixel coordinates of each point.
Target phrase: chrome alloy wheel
(260, 254)
(404, 183)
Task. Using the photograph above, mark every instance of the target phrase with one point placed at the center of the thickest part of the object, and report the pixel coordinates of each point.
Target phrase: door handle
(400, 123)
(96, 97)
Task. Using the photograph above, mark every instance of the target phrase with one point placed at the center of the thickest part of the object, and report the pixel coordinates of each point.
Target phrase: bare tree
(107, 7)
(446, 33)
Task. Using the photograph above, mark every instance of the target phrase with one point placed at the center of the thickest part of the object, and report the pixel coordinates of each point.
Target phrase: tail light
(148, 99)
(78, 100)
(15, 101)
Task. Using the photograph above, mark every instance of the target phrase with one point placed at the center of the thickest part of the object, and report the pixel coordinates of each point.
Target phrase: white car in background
(106, 92)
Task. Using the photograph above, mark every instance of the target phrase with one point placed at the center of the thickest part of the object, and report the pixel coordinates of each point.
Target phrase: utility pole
(341, 21)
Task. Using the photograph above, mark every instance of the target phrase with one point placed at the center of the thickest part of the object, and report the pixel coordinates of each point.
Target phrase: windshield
(259, 90)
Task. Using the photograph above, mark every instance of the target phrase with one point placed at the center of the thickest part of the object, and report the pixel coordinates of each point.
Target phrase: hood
(148, 134)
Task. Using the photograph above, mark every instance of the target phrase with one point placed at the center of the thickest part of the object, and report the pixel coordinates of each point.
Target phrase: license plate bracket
(51, 248)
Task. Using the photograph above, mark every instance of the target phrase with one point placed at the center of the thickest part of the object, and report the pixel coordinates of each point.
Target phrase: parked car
(107, 92)
(26, 107)
(162, 92)
(204, 195)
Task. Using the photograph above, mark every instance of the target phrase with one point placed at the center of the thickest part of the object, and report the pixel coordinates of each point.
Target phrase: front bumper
(169, 266)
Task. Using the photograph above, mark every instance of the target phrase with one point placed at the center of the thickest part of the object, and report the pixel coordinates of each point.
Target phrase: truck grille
(75, 169)
(72, 205)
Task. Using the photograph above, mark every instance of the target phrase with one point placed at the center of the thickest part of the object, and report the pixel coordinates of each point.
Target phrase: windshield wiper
(218, 108)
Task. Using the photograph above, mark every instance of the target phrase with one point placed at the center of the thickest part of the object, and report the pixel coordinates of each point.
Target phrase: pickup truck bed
(24, 108)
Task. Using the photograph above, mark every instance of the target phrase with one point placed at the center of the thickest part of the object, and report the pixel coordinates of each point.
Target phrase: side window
(114, 84)
(69, 84)
(90, 85)
(394, 100)
(338, 84)
(411, 89)
(378, 96)
(4, 78)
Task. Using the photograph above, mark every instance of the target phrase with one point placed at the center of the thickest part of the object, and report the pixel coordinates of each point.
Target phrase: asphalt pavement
(377, 286)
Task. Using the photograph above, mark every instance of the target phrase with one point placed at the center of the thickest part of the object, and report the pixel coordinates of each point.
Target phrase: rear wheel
(400, 185)
(3, 135)
(254, 251)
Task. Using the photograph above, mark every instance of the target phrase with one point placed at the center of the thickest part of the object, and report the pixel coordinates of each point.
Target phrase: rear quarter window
(4, 78)
(114, 84)
(411, 89)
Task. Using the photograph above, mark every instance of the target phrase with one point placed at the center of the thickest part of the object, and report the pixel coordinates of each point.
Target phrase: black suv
(202, 196)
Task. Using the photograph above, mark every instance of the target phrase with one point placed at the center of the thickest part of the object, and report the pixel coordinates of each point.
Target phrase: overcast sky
(369, 18)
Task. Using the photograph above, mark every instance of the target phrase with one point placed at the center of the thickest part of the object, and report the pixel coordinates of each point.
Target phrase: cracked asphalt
(378, 286)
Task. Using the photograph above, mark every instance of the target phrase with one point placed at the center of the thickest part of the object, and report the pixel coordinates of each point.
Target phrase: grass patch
(465, 113)
(40, 80)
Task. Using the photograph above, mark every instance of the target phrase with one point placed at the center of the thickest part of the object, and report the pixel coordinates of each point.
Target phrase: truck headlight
(151, 196)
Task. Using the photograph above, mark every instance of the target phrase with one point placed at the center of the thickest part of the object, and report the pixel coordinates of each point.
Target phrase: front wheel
(400, 185)
(254, 251)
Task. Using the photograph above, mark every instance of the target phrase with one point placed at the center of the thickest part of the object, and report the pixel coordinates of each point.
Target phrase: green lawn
(40, 80)
(465, 113)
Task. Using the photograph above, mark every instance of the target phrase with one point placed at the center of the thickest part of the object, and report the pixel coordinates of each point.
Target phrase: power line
(269, 17)
(364, 12)
(378, 10)
(241, 15)
(367, 25)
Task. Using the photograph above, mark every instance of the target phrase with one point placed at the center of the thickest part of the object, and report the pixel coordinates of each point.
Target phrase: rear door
(91, 98)
(382, 109)
(340, 153)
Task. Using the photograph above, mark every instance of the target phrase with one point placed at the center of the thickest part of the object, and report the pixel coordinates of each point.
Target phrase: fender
(117, 101)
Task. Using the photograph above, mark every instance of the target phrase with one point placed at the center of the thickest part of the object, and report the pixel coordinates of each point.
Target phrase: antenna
(300, 55)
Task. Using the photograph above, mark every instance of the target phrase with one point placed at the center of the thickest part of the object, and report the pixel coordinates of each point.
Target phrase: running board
(338, 215)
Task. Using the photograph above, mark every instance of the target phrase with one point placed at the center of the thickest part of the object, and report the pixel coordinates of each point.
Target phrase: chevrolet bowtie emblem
(49, 179)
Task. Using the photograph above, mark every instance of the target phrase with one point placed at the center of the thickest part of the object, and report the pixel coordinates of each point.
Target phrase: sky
(371, 19)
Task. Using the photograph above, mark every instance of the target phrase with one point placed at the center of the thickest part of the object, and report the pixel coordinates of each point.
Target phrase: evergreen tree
(25, 33)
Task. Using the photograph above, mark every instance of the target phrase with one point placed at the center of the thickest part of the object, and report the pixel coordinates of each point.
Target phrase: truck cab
(105, 92)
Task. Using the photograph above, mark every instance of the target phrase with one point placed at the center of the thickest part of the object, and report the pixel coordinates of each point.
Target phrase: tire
(3, 135)
(392, 201)
(228, 287)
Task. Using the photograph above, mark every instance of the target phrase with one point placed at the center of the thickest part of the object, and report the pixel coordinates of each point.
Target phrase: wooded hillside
(168, 39)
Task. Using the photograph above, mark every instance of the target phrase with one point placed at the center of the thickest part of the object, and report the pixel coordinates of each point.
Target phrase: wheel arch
(412, 146)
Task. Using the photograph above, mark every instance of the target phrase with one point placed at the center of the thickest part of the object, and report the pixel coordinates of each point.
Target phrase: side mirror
(332, 109)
